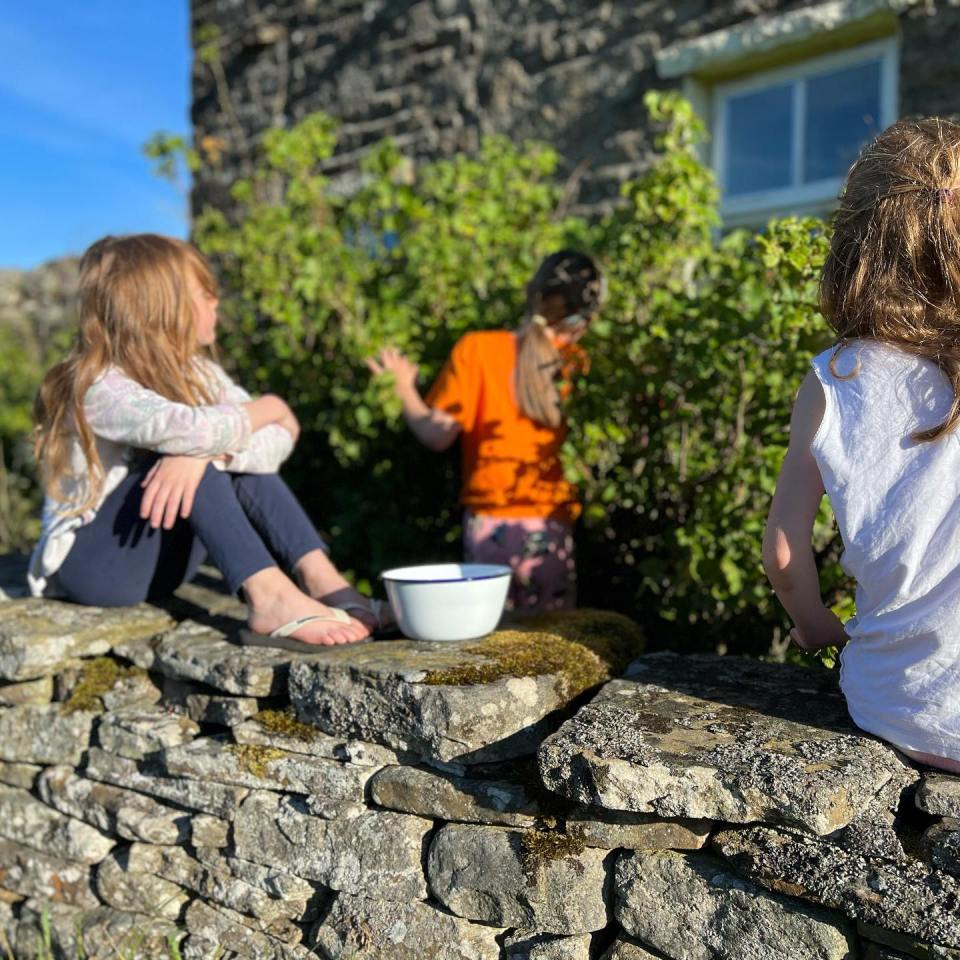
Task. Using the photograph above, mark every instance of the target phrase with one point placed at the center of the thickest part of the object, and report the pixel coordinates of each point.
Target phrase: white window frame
(801, 198)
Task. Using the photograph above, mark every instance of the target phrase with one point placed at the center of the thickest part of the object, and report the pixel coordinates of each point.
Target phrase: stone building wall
(538, 795)
(437, 74)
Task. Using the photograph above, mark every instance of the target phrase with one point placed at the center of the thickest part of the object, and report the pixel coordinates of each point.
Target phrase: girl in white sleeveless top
(875, 428)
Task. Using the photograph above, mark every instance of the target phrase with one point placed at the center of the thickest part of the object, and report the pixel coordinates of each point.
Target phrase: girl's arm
(120, 409)
(788, 556)
(275, 428)
(435, 429)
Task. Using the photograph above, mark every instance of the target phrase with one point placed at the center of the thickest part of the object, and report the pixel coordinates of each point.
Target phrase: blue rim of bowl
(486, 576)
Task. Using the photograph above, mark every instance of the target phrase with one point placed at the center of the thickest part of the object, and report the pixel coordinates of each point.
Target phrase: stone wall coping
(715, 51)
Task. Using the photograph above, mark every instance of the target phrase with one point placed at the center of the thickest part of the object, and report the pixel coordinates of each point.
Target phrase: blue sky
(83, 84)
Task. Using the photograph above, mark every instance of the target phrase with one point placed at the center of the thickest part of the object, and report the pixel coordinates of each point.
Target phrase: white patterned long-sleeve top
(125, 418)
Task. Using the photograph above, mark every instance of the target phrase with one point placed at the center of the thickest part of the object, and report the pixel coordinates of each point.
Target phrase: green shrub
(677, 434)
(20, 374)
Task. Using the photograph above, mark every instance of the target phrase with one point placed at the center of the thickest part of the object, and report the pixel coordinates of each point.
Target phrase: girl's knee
(214, 482)
(256, 482)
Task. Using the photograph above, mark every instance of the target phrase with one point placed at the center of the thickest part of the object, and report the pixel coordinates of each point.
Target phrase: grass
(126, 949)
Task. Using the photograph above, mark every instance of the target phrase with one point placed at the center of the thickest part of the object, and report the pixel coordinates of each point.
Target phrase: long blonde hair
(136, 313)
(893, 270)
(574, 277)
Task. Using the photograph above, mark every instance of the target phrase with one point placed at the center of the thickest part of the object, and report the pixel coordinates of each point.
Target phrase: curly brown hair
(893, 270)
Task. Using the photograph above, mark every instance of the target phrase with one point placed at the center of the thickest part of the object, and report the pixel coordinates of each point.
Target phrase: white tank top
(897, 504)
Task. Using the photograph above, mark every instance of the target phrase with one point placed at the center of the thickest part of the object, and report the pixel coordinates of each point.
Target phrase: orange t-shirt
(511, 464)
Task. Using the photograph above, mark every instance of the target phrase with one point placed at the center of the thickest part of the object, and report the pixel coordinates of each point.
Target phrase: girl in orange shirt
(499, 391)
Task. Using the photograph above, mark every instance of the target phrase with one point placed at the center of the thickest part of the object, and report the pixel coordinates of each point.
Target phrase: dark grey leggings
(246, 522)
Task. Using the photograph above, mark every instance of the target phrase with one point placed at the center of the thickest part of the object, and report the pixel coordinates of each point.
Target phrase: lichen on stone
(284, 723)
(539, 847)
(97, 677)
(255, 758)
(581, 648)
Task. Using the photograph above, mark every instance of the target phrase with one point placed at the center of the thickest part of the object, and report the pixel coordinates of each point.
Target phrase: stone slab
(221, 710)
(111, 809)
(377, 854)
(511, 878)
(471, 701)
(873, 830)
(138, 891)
(19, 774)
(430, 793)
(103, 683)
(137, 690)
(615, 829)
(301, 897)
(904, 945)
(224, 929)
(35, 692)
(44, 734)
(545, 946)
(24, 819)
(939, 795)
(216, 885)
(691, 906)
(267, 768)
(40, 637)
(217, 799)
(906, 897)
(51, 879)
(198, 947)
(358, 928)
(625, 949)
(941, 845)
(135, 732)
(722, 738)
(207, 831)
(279, 728)
(206, 655)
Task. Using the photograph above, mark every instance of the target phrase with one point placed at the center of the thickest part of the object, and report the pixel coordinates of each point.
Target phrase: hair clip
(572, 321)
(944, 194)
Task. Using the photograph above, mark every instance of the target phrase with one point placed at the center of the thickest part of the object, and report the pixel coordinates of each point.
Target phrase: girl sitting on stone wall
(152, 457)
(875, 427)
(501, 392)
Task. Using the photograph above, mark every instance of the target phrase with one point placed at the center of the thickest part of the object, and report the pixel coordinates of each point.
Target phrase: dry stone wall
(544, 794)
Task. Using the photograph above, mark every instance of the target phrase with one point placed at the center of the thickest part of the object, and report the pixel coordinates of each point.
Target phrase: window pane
(843, 113)
(759, 139)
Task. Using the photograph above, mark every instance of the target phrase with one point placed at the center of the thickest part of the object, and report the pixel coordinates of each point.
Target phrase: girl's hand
(828, 632)
(391, 360)
(271, 409)
(291, 424)
(169, 488)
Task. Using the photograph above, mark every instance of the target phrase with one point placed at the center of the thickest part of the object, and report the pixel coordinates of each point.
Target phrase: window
(784, 139)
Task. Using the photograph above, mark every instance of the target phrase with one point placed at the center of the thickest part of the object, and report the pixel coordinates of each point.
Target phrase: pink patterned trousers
(538, 550)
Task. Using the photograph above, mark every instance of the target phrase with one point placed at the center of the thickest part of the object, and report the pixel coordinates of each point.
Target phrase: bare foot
(275, 600)
(322, 581)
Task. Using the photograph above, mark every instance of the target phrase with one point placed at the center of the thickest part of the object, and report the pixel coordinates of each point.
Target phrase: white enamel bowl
(448, 601)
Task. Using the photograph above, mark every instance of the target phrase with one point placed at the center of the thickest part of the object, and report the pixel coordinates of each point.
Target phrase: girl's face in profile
(205, 313)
